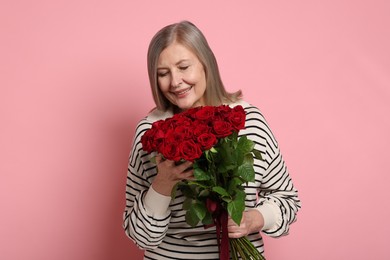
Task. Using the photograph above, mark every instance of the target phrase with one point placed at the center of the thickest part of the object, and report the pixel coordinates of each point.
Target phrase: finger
(232, 223)
(235, 235)
(185, 166)
(190, 178)
(234, 231)
(188, 175)
(167, 162)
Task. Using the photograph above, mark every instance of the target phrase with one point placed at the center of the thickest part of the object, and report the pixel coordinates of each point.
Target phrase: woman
(183, 73)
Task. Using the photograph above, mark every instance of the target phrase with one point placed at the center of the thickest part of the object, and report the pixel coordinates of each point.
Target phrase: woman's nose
(176, 79)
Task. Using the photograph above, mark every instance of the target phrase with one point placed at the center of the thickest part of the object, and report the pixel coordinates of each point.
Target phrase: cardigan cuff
(270, 214)
(156, 204)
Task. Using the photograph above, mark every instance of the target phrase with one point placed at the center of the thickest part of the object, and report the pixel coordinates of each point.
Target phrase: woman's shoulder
(247, 106)
(156, 115)
(253, 113)
(146, 122)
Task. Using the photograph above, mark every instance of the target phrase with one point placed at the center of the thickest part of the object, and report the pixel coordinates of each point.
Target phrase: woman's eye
(162, 74)
(183, 67)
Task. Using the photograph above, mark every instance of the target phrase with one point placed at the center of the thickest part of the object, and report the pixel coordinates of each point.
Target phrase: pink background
(74, 84)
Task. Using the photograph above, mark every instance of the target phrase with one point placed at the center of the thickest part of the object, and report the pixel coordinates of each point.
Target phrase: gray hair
(191, 37)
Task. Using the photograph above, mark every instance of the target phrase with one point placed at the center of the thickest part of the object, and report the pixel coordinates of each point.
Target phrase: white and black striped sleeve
(277, 194)
(141, 225)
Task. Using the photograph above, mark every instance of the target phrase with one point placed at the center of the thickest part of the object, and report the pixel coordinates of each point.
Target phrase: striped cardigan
(157, 224)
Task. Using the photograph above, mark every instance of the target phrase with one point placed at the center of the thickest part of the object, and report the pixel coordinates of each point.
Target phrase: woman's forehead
(174, 54)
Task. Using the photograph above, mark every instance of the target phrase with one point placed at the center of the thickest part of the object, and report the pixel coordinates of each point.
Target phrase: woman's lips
(182, 92)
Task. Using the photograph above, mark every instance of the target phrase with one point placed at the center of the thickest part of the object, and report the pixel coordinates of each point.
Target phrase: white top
(157, 224)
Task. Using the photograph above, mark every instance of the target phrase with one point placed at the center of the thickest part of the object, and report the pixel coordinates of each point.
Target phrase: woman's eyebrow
(177, 63)
(181, 61)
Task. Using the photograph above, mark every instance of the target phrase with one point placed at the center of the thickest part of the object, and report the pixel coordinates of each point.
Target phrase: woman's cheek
(163, 84)
(190, 78)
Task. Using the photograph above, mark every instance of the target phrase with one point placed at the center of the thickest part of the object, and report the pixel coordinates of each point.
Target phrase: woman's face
(181, 76)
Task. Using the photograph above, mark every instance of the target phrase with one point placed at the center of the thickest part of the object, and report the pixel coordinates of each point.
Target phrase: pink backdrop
(74, 84)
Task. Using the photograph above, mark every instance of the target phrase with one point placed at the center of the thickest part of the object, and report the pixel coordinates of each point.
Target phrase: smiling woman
(181, 77)
(184, 75)
(176, 48)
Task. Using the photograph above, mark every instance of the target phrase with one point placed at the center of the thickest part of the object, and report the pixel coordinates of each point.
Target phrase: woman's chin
(184, 105)
(187, 105)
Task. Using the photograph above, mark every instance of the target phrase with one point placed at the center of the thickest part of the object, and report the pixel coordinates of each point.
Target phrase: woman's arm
(145, 225)
(278, 201)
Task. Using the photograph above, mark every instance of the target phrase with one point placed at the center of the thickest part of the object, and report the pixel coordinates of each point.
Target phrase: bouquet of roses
(208, 136)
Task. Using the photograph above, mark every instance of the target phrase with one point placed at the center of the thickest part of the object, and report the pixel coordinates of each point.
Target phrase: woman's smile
(181, 76)
(181, 93)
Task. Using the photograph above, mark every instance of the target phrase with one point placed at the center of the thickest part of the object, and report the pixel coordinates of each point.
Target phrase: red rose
(171, 152)
(190, 113)
(147, 140)
(205, 114)
(174, 137)
(168, 125)
(185, 131)
(239, 108)
(237, 119)
(207, 140)
(159, 139)
(157, 124)
(193, 131)
(200, 128)
(222, 128)
(189, 150)
(211, 205)
(223, 111)
(180, 119)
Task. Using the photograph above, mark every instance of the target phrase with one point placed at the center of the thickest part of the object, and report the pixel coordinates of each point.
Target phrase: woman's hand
(168, 174)
(252, 221)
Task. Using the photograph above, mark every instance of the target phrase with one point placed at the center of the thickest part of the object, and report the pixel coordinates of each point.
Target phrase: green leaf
(196, 184)
(201, 175)
(208, 219)
(187, 203)
(234, 212)
(221, 191)
(245, 145)
(226, 153)
(204, 193)
(257, 154)
(213, 150)
(191, 218)
(227, 199)
(246, 172)
(187, 189)
(208, 155)
(248, 159)
(233, 184)
(232, 139)
(199, 209)
(240, 196)
(236, 207)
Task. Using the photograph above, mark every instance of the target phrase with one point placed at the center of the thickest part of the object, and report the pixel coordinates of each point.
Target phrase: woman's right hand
(168, 174)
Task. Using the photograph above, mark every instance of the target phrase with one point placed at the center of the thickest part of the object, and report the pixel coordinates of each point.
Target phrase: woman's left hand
(252, 221)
